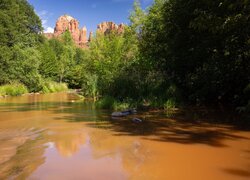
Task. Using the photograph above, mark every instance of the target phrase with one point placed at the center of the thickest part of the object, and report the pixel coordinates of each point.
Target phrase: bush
(51, 87)
(170, 104)
(14, 89)
(106, 102)
(109, 102)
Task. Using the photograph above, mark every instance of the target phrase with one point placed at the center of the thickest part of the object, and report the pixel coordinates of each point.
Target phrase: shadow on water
(238, 172)
(189, 126)
(184, 127)
(174, 130)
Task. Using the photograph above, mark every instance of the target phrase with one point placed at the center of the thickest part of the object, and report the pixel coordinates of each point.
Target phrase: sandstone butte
(79, 35)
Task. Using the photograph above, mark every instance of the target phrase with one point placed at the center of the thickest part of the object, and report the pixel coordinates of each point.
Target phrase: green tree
(48, 67)
(137, 17)
(66, 58)
(19, 23)
(111, 54)
(20, 36)
(202, 47)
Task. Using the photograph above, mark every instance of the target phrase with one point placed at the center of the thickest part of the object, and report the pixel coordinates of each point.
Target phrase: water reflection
(56, 137)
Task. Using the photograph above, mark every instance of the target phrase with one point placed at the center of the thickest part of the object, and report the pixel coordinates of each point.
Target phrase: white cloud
(49, 30)
(42, 13)
(44, 16)
(44, 22)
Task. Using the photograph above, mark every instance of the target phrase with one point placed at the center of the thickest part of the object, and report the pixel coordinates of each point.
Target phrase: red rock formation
(107, 27)
(83, 35)
(67, 22)
(79, 36)
(121, 28)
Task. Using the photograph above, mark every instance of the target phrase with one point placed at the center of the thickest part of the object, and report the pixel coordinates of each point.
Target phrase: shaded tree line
(201, 47)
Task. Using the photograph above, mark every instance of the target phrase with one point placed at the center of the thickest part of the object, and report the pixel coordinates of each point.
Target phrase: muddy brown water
(55, 136)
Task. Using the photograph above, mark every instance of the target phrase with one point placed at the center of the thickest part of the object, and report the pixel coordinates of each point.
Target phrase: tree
(111, 54)
(18, 23)
(66, 58)
(137, 17)
(202, 47)
(20, 36)
(48, 67)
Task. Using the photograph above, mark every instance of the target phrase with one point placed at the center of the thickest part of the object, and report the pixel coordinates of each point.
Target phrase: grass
(51, 87)
(109, 102)
(13, 89)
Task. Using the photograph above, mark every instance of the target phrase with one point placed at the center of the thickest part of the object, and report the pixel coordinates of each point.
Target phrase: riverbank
(233, 115)
(18, 89)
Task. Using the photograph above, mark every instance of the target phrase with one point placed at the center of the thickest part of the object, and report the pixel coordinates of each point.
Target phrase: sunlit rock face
(107, 27)
(69, 23)
(80, 35)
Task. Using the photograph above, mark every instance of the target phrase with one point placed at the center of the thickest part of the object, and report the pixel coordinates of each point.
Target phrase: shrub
(106, 102)
(13, 89)
(109, 102)
(170, 103)
(51, 87)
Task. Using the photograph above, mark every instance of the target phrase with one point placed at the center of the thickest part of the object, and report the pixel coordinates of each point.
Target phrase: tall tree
(18, 23)
(20, 35)
(203, 47)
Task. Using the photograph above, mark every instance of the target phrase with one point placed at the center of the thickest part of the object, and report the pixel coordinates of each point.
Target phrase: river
(56, 136)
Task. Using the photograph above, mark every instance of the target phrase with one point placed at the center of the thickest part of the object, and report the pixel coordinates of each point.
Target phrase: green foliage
(13, 89)
(20, 64)
(202, 47)
(62, 61)
(170, 103)
(19, 34)
(111, 103)
(106, 102)
(89, 86)
(137, 17)
(48, 67)
(26, 67)
(176, 51)
(51, 87)
(110, 54)
(19, 24)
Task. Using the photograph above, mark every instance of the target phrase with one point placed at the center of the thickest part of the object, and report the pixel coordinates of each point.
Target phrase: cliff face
(67, 22)
(79, 36)
(107, 27)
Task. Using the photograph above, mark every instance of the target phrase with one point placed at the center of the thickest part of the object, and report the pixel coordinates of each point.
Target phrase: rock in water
(137, 120)
(118, 114)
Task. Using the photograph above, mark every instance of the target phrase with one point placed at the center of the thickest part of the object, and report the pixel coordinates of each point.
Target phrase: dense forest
(173, 53)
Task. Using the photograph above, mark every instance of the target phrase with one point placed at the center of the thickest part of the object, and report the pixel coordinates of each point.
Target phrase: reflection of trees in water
(70, 125)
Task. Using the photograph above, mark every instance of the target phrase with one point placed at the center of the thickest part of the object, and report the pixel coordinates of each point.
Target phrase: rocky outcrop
(79, 36)
(67, 22)
(83, 35)
(107, 27)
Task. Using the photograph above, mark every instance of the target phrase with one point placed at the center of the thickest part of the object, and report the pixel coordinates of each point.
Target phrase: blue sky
(88, 12)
